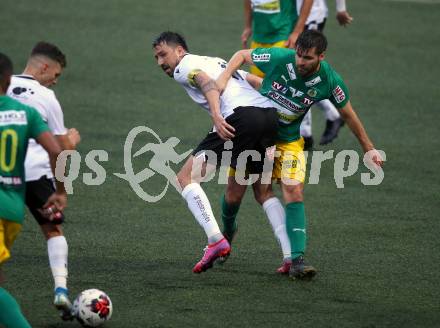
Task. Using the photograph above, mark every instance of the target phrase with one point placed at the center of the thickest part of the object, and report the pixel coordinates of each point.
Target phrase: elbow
(54, 151)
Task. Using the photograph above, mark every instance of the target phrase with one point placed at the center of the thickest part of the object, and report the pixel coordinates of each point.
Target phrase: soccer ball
(92, 308)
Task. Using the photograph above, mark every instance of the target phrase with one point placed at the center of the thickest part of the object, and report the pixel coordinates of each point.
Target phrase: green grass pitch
(376, 248)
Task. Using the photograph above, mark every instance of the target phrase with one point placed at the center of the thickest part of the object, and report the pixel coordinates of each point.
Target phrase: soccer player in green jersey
(18, 123)
(273, 23)
(294, 80)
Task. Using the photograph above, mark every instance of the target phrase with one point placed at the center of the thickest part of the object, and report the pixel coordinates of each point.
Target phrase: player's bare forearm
(247, 14)
(247, 31)
(300, 23)
(303, 15)
(356, 126)
(254, 81)
(240, 58)
(210, 91)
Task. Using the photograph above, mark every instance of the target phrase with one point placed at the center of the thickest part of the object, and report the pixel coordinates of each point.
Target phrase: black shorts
(314, 26)
(255, 129)
(37, 193)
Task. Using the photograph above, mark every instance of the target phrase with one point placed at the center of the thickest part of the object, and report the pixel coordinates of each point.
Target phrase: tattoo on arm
(205, 83)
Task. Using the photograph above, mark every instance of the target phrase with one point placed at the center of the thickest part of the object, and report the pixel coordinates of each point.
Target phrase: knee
(183, 179)
(233, 197)
(51, 230)
(296, 197)
(293, 194)
(262, 196)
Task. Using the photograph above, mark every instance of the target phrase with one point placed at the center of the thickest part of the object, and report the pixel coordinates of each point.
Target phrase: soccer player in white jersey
(240, 115)
(316, 21)
(31, 88)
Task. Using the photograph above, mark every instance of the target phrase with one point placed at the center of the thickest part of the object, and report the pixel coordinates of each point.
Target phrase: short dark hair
(51, 51)
(310, 39)
(170, 38)
(6, 69)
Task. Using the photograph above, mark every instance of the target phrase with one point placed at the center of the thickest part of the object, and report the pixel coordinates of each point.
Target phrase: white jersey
(318, 13)
(30, 92)
(238, 91)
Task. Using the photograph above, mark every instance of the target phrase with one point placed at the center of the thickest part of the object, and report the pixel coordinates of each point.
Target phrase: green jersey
(273, 20)
(293, 94)
(18, 123)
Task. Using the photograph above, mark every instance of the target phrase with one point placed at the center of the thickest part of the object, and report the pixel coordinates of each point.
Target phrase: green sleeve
(267, 59)
(338, 90)
(36, 124)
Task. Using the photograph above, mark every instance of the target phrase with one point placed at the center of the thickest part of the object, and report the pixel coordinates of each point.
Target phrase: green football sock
(10, 313)
(296, 228)
(229, 214)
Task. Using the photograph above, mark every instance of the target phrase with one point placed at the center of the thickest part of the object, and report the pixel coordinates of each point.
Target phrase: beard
(305, 71)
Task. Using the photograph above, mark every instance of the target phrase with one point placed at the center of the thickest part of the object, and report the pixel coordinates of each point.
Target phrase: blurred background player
(273, 23)
(31, 88)
(316, 21)
(18, 123)
(240, 114)
(282, 68)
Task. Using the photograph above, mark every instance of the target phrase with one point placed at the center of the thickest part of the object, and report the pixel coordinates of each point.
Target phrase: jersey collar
(26, 76)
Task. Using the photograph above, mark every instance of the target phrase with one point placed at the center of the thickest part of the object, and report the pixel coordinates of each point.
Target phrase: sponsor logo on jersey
(192, 77)
(339, 94)
(291, 71)
(13, 117)
(311, 83)
(286, 118)
(307, 101)
(285, 102)
(12, 181)
(266, 6)
(285, 79)
(296, 93)
(260, 58)
(279, 87)
(312, 92)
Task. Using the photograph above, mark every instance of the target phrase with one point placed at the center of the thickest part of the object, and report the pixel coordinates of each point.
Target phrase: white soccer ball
(92, 308)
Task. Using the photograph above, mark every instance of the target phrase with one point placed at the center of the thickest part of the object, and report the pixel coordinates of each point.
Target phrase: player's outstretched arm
(59, 198)
(254, 80)
(354, 123)
(247, 31)
(237, 60)
(300, 23)
(342, 16)
(210, 91)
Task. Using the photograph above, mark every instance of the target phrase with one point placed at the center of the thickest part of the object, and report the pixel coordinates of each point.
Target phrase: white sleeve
(186, 71)
(243, 73)
(340, 5)
(55, 118)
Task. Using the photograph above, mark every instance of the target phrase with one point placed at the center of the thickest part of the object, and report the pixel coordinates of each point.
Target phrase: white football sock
(306, 125)
(200, 207)
(58, 250)
(330, 111)
(277, 216)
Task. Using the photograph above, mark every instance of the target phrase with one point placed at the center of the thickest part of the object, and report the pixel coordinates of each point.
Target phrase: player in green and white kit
(18, 123)
(295, 80)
